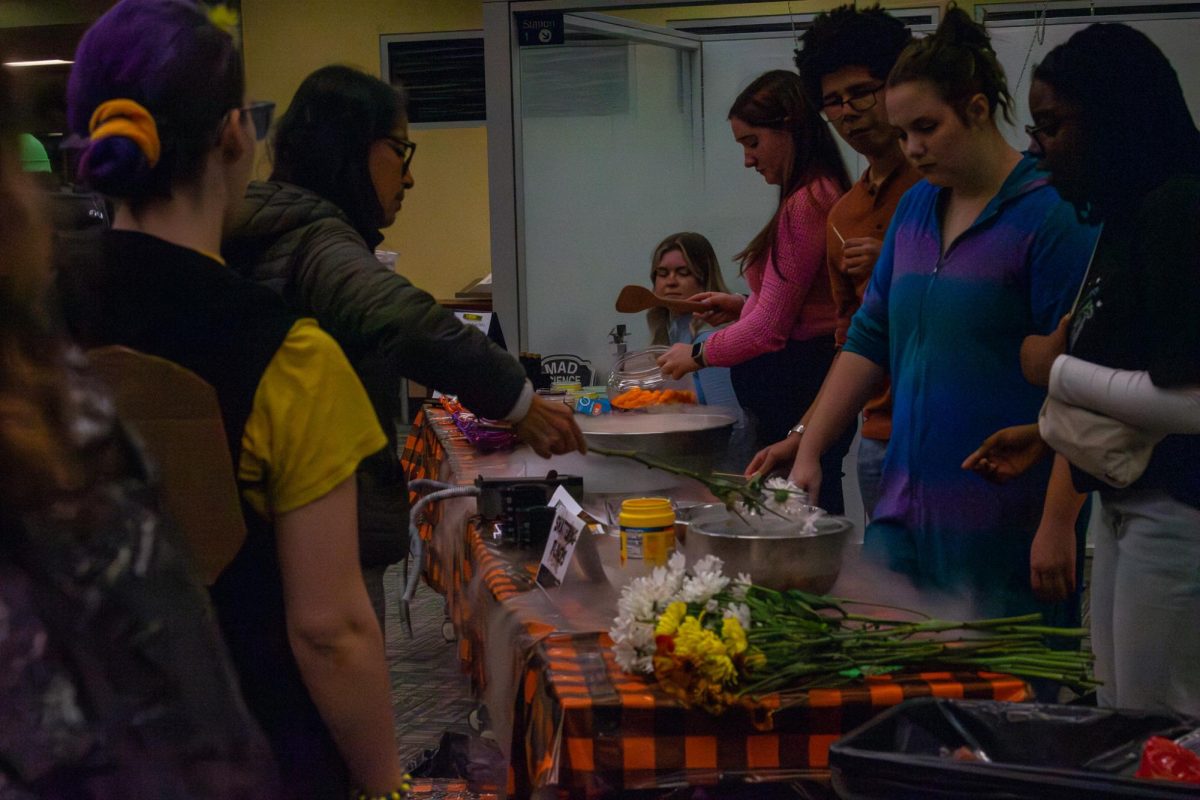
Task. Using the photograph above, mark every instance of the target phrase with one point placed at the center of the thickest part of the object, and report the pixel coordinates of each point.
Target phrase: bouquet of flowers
(713, 642)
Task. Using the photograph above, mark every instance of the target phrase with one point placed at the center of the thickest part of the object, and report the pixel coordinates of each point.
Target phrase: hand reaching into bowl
(677, 361)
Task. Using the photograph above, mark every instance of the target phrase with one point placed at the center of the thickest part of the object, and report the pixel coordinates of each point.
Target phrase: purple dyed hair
(167, 56)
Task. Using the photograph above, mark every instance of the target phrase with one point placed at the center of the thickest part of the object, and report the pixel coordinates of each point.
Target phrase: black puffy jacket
(305, 248)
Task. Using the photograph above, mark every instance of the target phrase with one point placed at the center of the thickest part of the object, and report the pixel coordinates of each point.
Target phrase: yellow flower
(734, 636)
(706, 650)
(668, 623)
(224, 18)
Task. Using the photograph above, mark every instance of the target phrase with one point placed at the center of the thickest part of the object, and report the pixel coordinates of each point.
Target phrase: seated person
(685, 264)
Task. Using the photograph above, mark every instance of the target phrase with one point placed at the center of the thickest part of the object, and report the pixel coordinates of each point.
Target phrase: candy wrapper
(1163, 759)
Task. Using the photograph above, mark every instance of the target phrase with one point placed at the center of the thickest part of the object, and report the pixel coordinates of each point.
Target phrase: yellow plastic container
(647, 530)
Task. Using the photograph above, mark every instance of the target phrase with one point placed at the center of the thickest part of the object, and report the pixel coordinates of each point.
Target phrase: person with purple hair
(291, 605)
(115, 681)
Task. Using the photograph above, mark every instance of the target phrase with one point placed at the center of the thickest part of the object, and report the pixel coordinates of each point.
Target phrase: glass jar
(639, 370)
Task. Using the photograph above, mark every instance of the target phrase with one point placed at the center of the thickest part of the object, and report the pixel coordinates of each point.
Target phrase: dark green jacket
(306, 249)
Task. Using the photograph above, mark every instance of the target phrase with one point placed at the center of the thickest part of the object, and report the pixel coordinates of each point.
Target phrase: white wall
(1021, 47)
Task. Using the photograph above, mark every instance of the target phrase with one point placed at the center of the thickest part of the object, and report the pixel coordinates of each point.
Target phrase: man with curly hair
(844, 62)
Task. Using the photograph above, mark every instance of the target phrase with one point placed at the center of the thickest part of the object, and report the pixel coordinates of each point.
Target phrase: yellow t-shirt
(310, 425)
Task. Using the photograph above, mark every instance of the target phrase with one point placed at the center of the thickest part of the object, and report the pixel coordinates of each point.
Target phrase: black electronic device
(519, 505)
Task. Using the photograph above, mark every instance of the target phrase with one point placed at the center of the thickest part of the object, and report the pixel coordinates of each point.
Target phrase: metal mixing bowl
(774, 552)
(695, 440)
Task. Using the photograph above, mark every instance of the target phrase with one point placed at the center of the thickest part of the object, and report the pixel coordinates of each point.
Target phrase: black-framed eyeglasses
(261, 114)
(860, 100)
(403, 148)
(1035, 132)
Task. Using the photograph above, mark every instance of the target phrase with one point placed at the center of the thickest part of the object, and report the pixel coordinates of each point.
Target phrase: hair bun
(115, 166)
(957, 27)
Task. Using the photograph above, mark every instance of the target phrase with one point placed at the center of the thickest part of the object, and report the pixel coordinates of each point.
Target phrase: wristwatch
(698, 354)
(797, 429)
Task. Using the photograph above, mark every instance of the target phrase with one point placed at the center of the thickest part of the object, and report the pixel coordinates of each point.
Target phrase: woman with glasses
(980, 253)
(781, 345)
(1131, 349)
(291, 605)
(342, 166)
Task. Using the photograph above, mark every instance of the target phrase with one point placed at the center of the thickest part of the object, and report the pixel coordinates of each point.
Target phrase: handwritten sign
(564, 535)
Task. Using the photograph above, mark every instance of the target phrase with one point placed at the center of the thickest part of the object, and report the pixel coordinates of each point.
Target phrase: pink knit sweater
(793, 301)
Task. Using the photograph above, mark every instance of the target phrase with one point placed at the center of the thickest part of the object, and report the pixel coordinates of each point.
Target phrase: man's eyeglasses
(403, 148)
(859, 100)
(681, 273)
(261, 114)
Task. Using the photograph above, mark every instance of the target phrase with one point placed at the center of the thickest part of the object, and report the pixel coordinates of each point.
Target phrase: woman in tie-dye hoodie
(979, 254)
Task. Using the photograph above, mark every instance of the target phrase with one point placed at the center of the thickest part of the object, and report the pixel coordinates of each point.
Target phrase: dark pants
(777, 388)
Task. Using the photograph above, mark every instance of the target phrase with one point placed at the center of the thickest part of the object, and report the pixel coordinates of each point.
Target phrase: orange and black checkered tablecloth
(584, 725)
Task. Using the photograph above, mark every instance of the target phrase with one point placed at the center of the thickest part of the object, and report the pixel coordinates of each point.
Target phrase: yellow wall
(442, 233)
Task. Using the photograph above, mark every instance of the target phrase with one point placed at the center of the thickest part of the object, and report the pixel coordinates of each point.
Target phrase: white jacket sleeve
(1125, 395)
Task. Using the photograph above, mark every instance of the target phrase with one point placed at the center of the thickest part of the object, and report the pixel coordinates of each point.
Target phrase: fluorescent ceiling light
(46, 62)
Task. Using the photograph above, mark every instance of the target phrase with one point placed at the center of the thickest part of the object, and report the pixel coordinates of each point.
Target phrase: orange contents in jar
(640, 398)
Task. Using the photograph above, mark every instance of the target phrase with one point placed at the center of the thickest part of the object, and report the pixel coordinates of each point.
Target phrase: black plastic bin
(1033, 751)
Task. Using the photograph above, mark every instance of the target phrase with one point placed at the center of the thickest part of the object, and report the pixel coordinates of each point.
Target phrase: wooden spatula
(634, 298)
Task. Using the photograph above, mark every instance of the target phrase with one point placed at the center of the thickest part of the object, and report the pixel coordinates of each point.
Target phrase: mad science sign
(566, 368)
(536, 28)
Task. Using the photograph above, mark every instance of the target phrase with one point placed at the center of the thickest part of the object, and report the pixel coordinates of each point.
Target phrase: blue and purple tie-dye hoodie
(948, 328)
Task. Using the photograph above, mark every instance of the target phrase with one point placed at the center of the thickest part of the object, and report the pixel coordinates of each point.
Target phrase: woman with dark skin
(1130, 350)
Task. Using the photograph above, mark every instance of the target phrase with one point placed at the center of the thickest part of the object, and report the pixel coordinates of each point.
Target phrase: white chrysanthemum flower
(702, 587)
(712, 606)
(781, 496)
(710, 564)
(677, 563)
(740, 586)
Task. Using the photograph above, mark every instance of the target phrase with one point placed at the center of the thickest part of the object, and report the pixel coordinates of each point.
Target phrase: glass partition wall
(603, 143)
(612, 152)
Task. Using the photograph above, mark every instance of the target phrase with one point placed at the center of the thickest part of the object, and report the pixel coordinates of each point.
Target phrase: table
(563, 711)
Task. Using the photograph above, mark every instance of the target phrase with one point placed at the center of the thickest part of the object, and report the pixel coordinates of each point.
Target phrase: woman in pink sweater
(782, 344)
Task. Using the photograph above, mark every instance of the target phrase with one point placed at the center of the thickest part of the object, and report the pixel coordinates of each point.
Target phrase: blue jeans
(1146, 602)
(870, 471)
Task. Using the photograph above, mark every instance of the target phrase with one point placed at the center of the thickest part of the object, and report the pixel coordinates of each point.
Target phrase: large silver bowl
(775, 553)
(693, 440)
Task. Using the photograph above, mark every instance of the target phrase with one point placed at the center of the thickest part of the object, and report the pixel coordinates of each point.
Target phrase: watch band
(698, 354)
(797, 429)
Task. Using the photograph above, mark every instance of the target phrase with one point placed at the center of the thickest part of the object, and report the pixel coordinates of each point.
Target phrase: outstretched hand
(1007, 453)
(549, 428)
(677, 361)
(724, 307)
(780, 454)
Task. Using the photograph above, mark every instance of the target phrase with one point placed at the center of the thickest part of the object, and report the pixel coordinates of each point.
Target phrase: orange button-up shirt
(865, 210)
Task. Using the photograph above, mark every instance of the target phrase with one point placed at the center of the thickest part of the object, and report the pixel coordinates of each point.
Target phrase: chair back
(177, 416)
